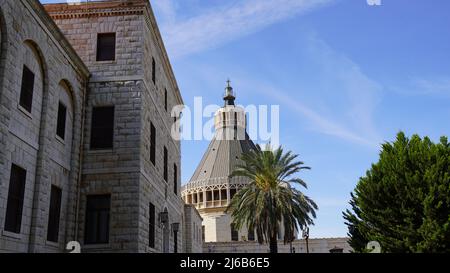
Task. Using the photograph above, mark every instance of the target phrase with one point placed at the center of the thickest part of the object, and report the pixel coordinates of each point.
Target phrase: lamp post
(306, 237)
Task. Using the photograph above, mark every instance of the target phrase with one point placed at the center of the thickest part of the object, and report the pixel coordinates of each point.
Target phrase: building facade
(86, 151)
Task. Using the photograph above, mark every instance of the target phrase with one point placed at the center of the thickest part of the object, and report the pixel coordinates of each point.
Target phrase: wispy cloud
(423, 86)
(346, 99)
(344, 109)
(320, 122)
(221, 25)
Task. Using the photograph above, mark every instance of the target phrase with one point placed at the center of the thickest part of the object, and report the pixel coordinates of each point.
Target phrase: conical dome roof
(224, 152)
(221, 158)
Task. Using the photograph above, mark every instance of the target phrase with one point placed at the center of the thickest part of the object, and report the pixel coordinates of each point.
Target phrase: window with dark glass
(61, 121)
(54, 214)
(175, 241)
(234, 233)
(166, 159)
(26, 92)
(102, 128)
(153, 70)
(203, 233)
(14, 207)
(97, 219)
(165, 99)
(152, 144)
(251, 235)
(175, 179)
(106, 47)
(151, 226)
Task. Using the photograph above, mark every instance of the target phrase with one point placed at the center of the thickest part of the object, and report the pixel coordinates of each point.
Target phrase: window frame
(18, 196)
(152, 225)
(97, 240)
(93, 139)
(166, 164)
(154, 70)
(60, 103)
(152, 144)
(175, 179)
(56, 217)
(25, 87)
(99, 50)
(166, 102)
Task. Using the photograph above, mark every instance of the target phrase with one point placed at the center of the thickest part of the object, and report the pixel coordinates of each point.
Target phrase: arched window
(63, 123)
(28, 100)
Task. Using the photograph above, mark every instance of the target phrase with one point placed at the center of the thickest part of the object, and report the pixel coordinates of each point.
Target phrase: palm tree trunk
(273, 244)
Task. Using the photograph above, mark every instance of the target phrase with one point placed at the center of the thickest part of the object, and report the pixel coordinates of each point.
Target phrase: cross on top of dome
(229, 94)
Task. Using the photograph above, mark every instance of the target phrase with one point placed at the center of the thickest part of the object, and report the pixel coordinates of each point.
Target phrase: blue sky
(347, 76)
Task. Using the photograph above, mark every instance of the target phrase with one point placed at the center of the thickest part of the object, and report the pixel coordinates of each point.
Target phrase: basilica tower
(211, 188)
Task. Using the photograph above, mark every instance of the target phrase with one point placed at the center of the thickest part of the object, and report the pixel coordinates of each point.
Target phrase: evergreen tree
(403, 202)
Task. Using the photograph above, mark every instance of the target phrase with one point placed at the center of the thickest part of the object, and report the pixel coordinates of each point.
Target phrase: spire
(229, 94)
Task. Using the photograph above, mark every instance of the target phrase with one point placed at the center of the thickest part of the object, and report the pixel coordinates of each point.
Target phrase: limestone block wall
(193, 230)
(28, 139)
(322, 245)
(218, 227)
(127, 83)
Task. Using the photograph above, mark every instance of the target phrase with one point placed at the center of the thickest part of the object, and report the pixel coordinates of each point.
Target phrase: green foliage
(403, 202)
(270, 200)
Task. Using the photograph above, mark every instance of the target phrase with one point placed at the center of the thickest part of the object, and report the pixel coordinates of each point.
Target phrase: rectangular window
(102, 127)
(151, 226)
(97, 219)
(175, 241)
(26, 92)
(153, 144)
(175, 179)
(153, 70)
(106, 47)
(166, 159)
(203, 233)
(54, 214)
(165, 99)
(234, 233)
(251, 235)
(14, 208)
(61, 122)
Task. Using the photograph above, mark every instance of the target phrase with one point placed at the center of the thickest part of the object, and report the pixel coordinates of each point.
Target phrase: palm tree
(270, 200)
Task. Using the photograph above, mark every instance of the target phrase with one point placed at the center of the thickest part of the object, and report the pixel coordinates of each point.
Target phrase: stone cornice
(58, 36)
(95, 9)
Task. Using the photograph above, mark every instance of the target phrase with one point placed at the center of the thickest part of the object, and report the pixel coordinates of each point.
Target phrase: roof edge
(46, 19)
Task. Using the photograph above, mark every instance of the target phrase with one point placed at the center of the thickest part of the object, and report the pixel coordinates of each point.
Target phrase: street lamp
(306, 237)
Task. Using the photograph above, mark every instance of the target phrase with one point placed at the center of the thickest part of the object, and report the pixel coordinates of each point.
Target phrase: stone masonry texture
(58, 42)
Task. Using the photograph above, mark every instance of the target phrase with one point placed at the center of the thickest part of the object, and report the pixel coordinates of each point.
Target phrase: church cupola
(229, 94)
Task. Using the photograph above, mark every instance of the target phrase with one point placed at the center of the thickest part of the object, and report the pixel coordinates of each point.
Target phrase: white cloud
(224, 24)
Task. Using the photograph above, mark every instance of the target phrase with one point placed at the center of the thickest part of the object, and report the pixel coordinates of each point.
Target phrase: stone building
(86, 152)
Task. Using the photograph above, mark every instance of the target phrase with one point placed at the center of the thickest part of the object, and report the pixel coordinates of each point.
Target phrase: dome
(211, 185)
